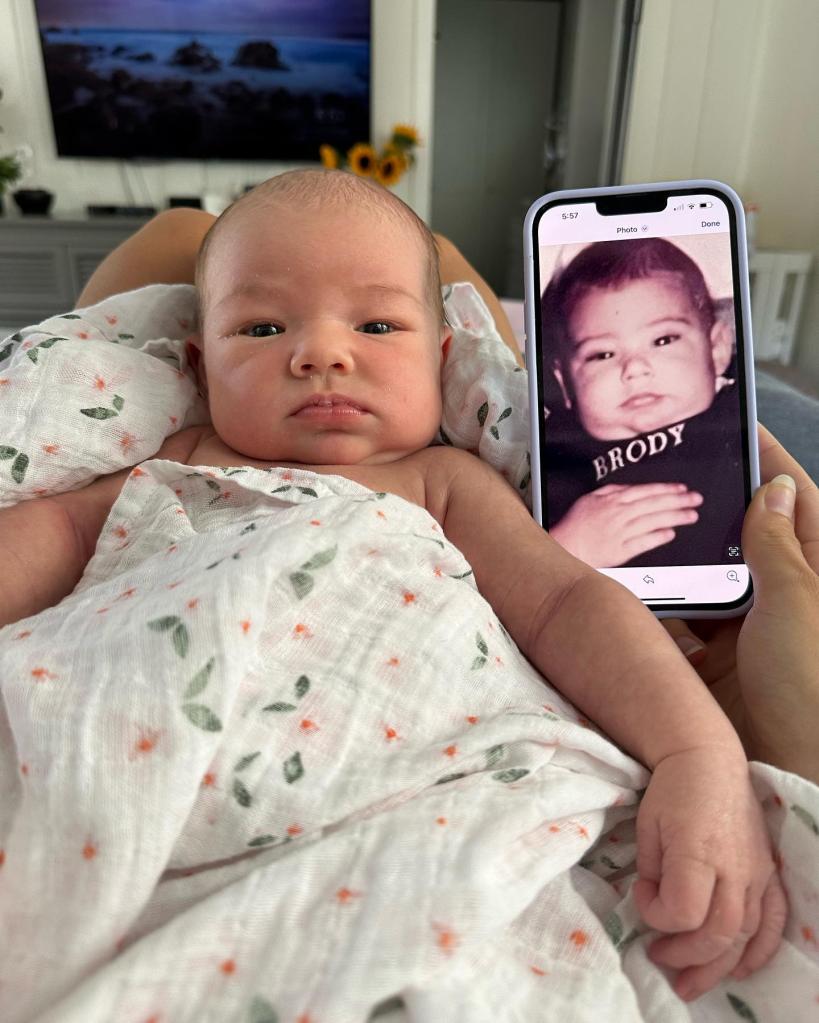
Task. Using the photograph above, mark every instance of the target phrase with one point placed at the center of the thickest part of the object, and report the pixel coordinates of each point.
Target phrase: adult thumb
(769, 544)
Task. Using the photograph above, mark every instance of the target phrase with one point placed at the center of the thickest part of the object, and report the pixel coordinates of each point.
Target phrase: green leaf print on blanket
(806, 818)
(483, 412)
(202, 716)
(614, 928)
(105, 413)
(494, 429)
(484, 649)
(261, 1011)
(179, 632)
(742, 1009)
(34, 353)
(513, 774)
(293, 768)
(18, 466)
(302, 687)
(302, 581)
(199, 680)
(197, 713)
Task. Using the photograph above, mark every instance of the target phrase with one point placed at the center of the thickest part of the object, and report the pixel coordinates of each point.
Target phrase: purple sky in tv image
(349, 19)
(242, 80)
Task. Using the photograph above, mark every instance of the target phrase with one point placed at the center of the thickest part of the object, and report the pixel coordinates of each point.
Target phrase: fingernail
(780, 495)
(689, 646)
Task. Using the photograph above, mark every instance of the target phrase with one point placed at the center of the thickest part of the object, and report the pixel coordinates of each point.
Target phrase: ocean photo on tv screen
(206, 79)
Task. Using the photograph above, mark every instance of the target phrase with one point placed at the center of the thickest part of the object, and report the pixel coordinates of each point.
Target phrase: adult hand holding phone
(615, 523)
(764, 669)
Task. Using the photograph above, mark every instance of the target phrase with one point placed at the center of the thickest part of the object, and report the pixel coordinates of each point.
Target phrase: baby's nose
(319, 354)
(636, 365)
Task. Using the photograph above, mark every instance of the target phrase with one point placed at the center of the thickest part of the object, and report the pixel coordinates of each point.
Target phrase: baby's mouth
(330, 405)
(643, 400)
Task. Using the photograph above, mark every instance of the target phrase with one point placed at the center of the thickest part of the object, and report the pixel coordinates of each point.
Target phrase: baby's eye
(378, 327)
(599, 356)
(666, 339)
(262, 326)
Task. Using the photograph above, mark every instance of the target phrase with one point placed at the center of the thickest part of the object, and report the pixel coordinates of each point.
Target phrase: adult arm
(455, 267)
(764, 670)
(163, 251)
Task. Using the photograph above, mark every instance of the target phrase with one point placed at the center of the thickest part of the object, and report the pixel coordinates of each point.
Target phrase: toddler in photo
(648, 434)
(319, 348)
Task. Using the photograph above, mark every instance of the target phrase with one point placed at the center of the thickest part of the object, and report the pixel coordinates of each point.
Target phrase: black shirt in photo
(704, 452)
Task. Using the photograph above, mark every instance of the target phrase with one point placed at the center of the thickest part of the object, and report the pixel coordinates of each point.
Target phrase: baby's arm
(706, 873)
(46, 543)
(586, 633)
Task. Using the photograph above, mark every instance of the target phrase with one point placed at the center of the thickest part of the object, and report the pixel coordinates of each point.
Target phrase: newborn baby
(320, 345)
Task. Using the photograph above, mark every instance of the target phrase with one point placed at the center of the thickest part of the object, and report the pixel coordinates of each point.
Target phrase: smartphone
(641, 388)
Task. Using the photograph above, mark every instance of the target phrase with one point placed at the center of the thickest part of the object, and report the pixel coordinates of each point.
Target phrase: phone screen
(644, 462)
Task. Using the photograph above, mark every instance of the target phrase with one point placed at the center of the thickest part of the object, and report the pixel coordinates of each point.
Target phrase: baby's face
(641, 359)
(321, 346)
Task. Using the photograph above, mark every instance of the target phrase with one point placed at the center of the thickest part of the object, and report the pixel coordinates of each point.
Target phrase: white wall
(402, 86)
(727, 89)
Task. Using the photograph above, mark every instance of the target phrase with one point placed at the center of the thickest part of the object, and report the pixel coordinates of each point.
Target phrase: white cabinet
(45, 261)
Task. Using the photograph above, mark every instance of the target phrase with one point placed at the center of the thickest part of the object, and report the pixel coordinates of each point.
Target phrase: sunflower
(363, 160)
(400, 155)
(405, 136)
(389, 169)
(330, 157)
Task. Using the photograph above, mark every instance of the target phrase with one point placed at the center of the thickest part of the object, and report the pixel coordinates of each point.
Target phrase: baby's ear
(194, 349)
(446, 341)
(722, 346)
(558, 375)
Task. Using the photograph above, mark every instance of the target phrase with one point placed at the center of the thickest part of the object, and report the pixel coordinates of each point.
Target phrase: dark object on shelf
(33, 200)
(121, 211)
(185, 200)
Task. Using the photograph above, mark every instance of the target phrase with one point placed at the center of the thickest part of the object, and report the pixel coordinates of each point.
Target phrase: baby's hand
(611, 525)
(706, 875)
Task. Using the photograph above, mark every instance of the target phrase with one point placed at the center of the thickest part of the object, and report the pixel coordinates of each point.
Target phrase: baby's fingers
(728, 924)
(682, 899)
(706, 957)
(764, 944)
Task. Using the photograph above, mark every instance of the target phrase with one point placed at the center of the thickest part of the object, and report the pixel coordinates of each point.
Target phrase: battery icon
(706, 205)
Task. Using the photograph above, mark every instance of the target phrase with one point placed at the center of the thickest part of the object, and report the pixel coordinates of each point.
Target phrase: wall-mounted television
(245, 80)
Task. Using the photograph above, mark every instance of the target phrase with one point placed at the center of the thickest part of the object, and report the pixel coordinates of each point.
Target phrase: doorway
(530, 96)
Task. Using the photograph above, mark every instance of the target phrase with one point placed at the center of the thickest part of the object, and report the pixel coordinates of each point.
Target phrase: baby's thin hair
(611, 264)
(318, 189)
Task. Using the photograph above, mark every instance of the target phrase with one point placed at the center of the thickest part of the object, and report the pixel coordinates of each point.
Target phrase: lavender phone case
(532, 296)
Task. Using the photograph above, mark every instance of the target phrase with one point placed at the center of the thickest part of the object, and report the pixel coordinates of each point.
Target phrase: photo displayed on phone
(643, 442)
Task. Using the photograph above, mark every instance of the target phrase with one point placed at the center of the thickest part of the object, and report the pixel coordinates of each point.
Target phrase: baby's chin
(631, 422)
